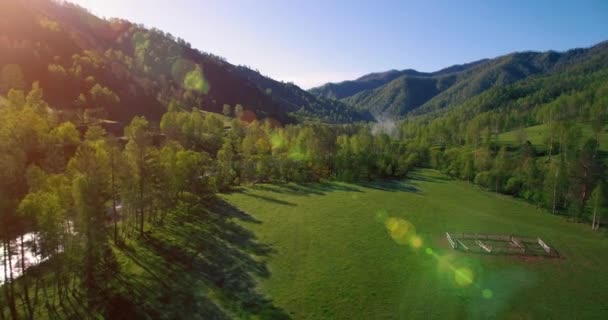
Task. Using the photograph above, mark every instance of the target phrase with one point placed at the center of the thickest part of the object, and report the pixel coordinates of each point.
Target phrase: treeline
(565, 173)
(571, 182)
(82, 192)
(264, 151)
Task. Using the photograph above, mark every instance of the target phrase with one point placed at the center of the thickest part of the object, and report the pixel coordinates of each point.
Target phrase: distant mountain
(400, 93)
(400, 96)
(117, 69)
(348, 88)
(301, 104)
(372, 81)
(576, 81)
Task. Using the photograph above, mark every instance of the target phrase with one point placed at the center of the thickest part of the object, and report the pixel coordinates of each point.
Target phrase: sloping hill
(372, 81)
(399, 93)
(399, 96)
(302, 104)
(349, 88)
(137, 71)
(507, 70)
(577, 82)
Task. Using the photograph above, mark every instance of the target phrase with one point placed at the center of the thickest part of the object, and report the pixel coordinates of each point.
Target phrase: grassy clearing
(536, 135)
(335, 259)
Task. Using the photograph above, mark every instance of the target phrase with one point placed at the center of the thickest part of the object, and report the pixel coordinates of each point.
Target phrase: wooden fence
(500, 244)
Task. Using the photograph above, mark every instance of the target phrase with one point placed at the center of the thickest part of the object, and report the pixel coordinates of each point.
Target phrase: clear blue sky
(313, 42)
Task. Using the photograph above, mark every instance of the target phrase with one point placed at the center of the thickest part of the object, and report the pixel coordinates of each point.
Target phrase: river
(32, 258)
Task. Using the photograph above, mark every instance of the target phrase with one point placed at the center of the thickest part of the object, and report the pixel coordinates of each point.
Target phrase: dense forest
(108, 127)
(86, 63)
(397, 94)
(561, 173)
(82, 190)
(458, 127)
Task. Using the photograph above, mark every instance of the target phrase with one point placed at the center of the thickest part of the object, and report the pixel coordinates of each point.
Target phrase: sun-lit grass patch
(335, 257)
(537, 135)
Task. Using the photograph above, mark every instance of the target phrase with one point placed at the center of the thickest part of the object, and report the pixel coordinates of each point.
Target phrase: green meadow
(536, 135)
(334, 250)
(336, 253)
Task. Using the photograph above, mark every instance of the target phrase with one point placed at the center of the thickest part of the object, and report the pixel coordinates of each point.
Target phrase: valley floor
(346, 251)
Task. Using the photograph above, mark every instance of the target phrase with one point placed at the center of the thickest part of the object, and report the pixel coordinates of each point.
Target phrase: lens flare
(463, 277)
(400, 230)
(404, 233)
(416, 242)
(459, 270)
(195, 80)
(277, 141)
(487, 293)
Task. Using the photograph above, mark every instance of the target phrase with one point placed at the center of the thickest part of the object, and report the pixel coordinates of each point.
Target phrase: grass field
(535, 134)
(349, 251)
(344, 251)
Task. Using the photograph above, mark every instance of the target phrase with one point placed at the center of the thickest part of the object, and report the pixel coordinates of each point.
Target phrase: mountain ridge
(401, 93)
(70, 51)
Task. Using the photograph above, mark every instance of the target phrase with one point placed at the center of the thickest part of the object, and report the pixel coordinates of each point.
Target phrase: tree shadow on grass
(390, 185)
(289, 188)
(329, 186)
(322, 188)
(306, 189)
(232, 212)
(200, 264)
(419, 176)
(70, 306)
(269, 199)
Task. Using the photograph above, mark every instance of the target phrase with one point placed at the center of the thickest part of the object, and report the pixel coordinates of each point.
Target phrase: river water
(32, 258)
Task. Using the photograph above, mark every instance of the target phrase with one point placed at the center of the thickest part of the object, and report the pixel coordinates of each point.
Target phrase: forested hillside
(456, 117)
(117, 173)
(562, 169)
(408, 92)
(371, 81)
(92, 200)
(116, 69)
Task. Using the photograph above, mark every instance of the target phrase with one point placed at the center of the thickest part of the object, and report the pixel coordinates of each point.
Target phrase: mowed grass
(333, 257)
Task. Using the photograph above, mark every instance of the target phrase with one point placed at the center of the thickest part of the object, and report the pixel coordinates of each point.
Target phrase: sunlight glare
(416, 242)
(487, 293)
(463, 277)
(195, 81)
(400, 230)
